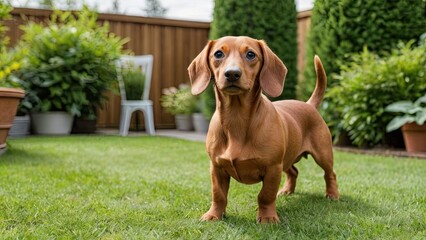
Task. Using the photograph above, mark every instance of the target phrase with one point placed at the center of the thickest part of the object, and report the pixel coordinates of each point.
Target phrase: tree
(155, 9)
(342, 27)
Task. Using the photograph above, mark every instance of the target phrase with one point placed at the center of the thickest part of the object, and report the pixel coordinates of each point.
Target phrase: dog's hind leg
(324, 158)
(290, 182)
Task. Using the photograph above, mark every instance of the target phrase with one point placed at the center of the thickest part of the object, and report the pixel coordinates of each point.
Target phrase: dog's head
(236, 63)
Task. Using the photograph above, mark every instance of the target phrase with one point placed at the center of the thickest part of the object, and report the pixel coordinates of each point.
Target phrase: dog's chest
(241, 163)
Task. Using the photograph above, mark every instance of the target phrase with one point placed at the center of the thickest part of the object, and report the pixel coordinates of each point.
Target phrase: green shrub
(4, 15)
(369, 83)
(342, 27)
(70, 63)
(8, 62)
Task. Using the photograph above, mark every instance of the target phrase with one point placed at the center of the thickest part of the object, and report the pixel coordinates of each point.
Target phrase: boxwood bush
(369, 83)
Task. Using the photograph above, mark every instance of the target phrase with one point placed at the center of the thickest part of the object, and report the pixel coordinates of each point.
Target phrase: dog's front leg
(220, 187)
(267, 212)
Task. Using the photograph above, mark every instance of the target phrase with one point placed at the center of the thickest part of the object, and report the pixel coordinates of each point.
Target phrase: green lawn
(107, 187)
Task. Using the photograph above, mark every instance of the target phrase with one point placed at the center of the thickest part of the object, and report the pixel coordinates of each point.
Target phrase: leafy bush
(369, 83)
(178, 101)
(70, 63)
(4, 15)
(8, 62)
(342, 27)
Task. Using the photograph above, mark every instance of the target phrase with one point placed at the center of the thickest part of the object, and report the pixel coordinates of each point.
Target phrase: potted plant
(199, 118)
(10, 94)
(412, 119)
(180, 103)
(68, 66)
(134, 82)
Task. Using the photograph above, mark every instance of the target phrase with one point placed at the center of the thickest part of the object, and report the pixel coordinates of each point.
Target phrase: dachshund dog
(251, 138)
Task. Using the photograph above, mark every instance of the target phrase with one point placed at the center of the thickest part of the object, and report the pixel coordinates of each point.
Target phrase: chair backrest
(142, 62)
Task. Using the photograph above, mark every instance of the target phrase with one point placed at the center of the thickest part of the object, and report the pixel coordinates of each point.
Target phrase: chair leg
(149, 120)
(126, 122)
(122, 119)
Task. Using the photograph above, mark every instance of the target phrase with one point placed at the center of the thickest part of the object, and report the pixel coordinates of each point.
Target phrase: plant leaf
(401, 106)
(421, 117)
(420, 100)
(397, 122)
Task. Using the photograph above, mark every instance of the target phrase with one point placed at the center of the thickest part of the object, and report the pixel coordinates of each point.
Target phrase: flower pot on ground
(414, 137)
(412, 117)
(9, 100)
(21, 126)
(83, 125)
(180, 103)
(184, 122)
(201, 123)
(52, 123)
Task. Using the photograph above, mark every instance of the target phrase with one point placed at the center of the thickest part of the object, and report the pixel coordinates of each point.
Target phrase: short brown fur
(250, 138)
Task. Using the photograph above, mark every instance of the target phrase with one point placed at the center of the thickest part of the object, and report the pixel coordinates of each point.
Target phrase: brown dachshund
(251, 138)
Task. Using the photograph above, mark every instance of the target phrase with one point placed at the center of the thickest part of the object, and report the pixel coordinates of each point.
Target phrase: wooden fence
(173, 43)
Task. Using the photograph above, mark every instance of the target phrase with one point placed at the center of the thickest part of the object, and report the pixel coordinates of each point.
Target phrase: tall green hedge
(342, 27)
(273, 21)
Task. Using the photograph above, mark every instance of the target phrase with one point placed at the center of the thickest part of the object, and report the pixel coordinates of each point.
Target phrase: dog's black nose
(232, 74)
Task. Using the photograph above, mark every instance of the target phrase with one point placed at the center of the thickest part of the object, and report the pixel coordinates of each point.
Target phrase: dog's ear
(199, 71)
(273, 72)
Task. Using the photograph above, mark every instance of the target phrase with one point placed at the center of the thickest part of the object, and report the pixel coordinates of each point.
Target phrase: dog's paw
(210, 217)
(268, 219)
(332, 196)
(285, 192)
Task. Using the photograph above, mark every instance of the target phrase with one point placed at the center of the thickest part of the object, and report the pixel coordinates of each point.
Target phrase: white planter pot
(201, 124)
(52, 123)
(20, 127)
(184, 122)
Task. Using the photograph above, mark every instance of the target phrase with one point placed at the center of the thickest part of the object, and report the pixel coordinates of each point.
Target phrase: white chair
(144, 63)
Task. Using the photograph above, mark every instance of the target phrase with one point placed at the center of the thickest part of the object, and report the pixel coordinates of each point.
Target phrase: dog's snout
(232, 74)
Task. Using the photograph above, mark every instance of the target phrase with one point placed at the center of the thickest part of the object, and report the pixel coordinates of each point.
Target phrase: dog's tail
(320, 85)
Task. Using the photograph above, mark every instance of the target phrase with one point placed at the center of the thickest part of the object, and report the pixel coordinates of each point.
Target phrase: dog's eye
(250, 55)
(219, 54)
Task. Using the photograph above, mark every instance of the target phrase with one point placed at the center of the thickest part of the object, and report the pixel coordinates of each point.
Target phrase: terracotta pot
(414, 137)
(9, 100)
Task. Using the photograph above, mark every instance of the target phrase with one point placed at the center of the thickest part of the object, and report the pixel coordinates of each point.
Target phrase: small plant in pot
(180, 103)
(201, 117)
(134, 82)
(10, 92)
(68, 66)
(412, 117)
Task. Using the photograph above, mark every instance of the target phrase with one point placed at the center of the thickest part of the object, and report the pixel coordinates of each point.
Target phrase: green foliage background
(342, 27)
(368, 83)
